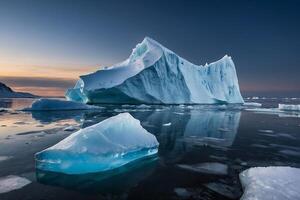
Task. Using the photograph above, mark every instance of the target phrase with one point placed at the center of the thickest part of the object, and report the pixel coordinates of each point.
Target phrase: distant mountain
(7, 92)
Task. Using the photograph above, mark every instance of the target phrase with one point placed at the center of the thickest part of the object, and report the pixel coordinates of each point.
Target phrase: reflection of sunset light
(45, 71)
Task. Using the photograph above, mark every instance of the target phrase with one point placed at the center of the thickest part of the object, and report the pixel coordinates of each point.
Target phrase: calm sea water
(228, 136)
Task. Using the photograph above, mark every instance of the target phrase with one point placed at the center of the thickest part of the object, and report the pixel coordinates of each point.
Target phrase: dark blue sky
(261, 36)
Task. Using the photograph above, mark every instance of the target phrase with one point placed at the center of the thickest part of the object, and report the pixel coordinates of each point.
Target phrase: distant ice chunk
(3, 158)
(12, 182)
(289, 107)
(252, 104)
(57, 104)
(266, 131)
(207, 168)
(70, 128)
(167, 124)
(109, 144)
(271, 183)
(276, 111)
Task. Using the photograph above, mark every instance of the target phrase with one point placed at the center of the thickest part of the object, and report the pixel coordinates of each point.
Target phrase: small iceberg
(271, 183)
(289, 107)
(12, 182)
(58, 104)
(104, 146)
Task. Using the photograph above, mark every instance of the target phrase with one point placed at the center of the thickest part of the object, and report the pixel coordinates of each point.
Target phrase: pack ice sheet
(154, 74)
(57, 104)
(271, 183)
(109, 144)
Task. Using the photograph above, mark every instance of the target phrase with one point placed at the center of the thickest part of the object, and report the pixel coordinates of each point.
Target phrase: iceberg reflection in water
(116, 181)
(201, 126)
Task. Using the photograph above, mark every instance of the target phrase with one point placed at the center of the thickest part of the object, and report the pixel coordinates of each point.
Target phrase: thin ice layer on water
(271, 183)
(109, 144)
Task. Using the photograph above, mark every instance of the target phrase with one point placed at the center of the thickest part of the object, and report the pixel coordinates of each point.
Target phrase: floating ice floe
(167, 124)
(12, 182)
(289, 107)
(206, 168)
(2, 158)
(275, 111)
(57, 104)
(252, 104)
(154, 74)
(109, 144)
(270, 183)
(266, 131)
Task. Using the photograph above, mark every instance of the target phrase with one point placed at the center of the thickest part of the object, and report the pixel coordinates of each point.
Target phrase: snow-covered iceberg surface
(154, 74)
(57, 104)
(271, 183)
(289, 107)
(109, 144)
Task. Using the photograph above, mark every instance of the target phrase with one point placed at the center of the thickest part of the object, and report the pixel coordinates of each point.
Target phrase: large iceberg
(109, 144)
(154, 74)
(271, 183)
